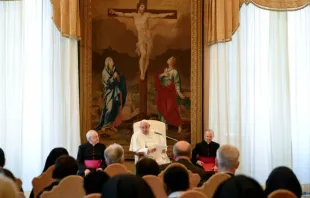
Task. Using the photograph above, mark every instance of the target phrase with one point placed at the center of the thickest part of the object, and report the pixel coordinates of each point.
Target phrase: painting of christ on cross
(141, 64)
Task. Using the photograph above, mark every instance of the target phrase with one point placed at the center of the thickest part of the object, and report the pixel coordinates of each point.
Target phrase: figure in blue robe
(114, 96)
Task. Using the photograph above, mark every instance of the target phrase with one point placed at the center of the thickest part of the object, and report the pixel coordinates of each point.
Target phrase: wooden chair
(194, 178)
(156, 185)
(193, 194)
(282, 194)
(19, 184)
(39, 183)
(69, 187)
(93, 195)
(115, 169)
(209, 187)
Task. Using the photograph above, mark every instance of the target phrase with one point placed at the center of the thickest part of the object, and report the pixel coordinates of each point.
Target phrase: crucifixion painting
(141, 16)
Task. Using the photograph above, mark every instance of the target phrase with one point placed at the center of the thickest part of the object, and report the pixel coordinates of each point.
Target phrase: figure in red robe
(168, 87)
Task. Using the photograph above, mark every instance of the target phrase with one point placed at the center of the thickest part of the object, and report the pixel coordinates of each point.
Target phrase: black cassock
(89, 152)
(204, 149)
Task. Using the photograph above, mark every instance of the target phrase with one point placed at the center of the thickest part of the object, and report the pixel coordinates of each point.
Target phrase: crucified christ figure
(145, 41)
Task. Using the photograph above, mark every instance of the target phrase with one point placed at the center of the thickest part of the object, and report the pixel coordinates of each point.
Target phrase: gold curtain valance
(222, 16)
(66, 17)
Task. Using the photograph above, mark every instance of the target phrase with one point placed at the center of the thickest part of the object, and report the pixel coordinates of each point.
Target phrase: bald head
(208, 136)
(182, 149)
(92, 137)
(145, 127)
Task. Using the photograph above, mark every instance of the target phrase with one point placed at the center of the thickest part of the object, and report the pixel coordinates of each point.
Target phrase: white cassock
(140, 143)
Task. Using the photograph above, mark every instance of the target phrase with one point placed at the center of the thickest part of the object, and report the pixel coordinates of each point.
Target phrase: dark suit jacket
(90, 152)
(194, 169)
(204, 149)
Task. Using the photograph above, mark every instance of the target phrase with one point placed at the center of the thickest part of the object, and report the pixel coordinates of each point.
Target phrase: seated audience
(227, 159)
(176, 181)
(7, 188)
(51, 160)
(283, 178)
(91, 154)
(125, 186)
(2, 158)
(147, 166)
(7, 173)
(65, 166)
(94, 181)
(114, 154)
(239, 186)
(182, 153)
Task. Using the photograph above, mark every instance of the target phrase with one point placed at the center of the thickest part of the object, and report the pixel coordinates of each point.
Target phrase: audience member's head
(7, 173)
(126, 185)
(182, 150)
(147, 166)
(2, 158)
(53, 156)
(7, 188)
(283, 178)
(114, 154)
(65, 166)
(238, 187)
(94, 181)
(92, 137)
(208, 135)
(176, 178)
(227, 159)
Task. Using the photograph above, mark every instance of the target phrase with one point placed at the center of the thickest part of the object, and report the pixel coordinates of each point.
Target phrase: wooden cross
(143, 83)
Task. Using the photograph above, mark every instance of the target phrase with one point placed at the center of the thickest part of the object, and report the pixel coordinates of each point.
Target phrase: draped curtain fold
(221, 17)
(66, 17)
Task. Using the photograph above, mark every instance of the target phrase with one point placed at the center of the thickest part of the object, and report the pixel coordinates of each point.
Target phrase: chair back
(155, 125)
(69, 187)
(93, 195)
(156, 185)
(193, 194)
(45, 179)
(194, 178)
(209, 187)
(115, 169)
(19, 184)
(281, 193)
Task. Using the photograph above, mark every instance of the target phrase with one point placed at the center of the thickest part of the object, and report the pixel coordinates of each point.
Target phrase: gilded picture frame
(85, 70)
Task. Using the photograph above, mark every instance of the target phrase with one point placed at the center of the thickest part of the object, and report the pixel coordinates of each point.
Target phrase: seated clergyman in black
(91, 154)
(204, 152)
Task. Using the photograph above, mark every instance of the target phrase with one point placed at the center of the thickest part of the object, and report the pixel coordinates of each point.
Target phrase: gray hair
(227, 157)
(211, 131)
(89, 134)
(114, 154)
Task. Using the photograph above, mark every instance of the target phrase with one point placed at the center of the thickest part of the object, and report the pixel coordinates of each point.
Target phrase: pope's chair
(155, 125)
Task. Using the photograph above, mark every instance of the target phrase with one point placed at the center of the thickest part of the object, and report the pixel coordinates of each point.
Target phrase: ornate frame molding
(85, 72)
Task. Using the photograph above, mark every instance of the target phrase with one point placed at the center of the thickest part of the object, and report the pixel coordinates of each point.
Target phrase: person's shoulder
(101, 144)
(216, 144)
(163, 166)
(84, 145)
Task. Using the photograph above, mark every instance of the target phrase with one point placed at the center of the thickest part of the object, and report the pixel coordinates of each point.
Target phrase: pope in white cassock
(149, 143)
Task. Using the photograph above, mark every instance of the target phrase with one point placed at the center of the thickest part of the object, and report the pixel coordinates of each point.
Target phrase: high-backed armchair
(155, 125)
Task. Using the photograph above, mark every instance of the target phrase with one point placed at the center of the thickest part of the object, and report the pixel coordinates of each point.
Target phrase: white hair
(227, 157)
(144, 121)
(90, 133)
(114, 154)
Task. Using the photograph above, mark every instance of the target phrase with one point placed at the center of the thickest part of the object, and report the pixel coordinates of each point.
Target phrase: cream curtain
(66, 17)
(222, 18)
(259, 91)
(39, 96)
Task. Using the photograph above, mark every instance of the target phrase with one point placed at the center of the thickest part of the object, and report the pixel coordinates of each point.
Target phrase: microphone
(170, 138)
